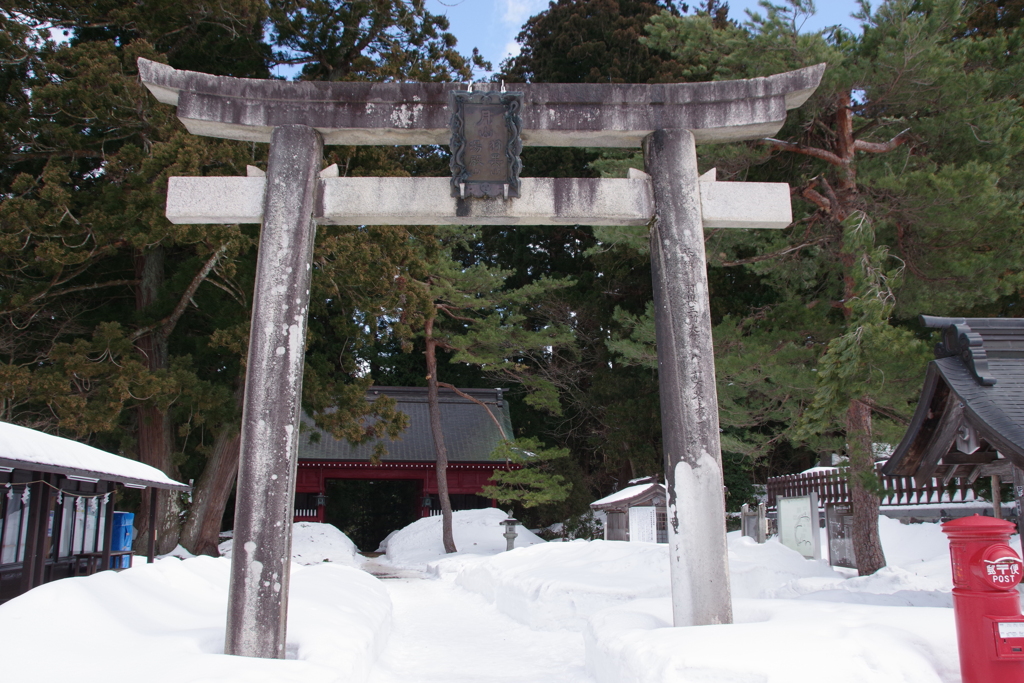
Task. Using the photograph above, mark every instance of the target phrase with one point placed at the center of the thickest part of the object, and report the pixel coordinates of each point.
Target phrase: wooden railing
(832, 487)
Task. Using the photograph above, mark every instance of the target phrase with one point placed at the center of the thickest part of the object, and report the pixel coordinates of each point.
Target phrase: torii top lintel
(556, 115)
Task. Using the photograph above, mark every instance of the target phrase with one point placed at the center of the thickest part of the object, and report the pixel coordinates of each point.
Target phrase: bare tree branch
(167, 324)
(479, 403)
(815, 197)
(448, 311)
(85, 288)
(882, 147)
(776, 254)
(815, 152)
(886, 411)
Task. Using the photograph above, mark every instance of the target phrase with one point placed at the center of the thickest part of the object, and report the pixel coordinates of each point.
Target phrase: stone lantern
(510, 531)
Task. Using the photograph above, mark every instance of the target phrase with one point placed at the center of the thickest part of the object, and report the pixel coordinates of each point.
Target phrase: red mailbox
(989, 623)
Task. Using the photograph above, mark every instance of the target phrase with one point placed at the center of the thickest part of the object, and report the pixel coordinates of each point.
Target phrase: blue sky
(492, 25)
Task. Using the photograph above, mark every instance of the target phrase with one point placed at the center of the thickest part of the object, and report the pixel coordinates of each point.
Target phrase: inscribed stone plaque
(486, 143)
(839, 523)
(798, 525)
(643, 524)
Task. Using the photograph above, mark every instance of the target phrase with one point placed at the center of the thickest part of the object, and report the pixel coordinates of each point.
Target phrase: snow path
(443, 633)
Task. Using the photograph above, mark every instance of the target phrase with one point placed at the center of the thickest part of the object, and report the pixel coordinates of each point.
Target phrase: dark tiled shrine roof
(972, 404)
(470, 434)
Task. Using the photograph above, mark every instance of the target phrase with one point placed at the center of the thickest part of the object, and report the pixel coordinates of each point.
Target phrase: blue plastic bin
(121, 538)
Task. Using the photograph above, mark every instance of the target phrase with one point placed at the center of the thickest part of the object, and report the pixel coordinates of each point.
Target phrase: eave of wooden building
(969, 420)
(56, 518)
(472, 430)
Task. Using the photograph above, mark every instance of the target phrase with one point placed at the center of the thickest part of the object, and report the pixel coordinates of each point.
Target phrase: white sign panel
(798, 525)
(1011, 629)
(643, 524)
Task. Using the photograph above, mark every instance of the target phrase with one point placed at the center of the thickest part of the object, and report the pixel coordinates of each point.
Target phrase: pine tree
(590, 41)
(899, 164)
(128, 331)
(469, 311)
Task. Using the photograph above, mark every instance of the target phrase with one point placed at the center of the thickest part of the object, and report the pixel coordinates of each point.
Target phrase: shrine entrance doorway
(367, 510)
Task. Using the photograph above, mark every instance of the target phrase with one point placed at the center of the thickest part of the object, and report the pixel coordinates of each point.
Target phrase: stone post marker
(667, 120)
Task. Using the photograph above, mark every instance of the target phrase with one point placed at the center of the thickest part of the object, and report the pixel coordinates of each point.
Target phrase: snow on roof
(625, 494)
(24, 448)
(819, 469)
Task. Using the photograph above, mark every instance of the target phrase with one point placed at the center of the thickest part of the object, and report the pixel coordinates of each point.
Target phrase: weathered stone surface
(745, 205)
(424, 201)
(579, 114)
(544, 201)
(686, 375)
(204, 200)
(264, 503)
(668, 120)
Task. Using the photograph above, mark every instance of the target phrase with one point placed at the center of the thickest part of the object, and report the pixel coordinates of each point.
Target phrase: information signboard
(839, 523)
(643, 524)
(798, 525)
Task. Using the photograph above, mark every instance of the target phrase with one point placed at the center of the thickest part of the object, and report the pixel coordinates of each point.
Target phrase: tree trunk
(867, 546)
(434, 410)
(201, 533)
(155, 435)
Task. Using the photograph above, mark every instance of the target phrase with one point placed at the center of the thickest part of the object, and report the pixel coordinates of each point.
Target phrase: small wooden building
(969, 422)
(56, 514)
(471, 434)
(636, 513)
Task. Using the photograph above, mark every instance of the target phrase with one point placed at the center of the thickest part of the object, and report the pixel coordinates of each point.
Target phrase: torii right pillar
(698, 564)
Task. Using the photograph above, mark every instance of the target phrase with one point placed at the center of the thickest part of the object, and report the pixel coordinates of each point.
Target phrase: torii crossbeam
(297, 119)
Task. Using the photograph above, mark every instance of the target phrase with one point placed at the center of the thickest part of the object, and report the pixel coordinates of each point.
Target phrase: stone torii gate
(294, 196)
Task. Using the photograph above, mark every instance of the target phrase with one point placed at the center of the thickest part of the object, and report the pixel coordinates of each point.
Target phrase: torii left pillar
(265, 498)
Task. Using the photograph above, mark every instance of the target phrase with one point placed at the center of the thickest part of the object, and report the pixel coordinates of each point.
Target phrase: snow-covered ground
(577, 612)
(314, 543)
(419, 544)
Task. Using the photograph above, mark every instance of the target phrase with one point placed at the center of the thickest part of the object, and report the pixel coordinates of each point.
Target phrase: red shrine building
(471, 433)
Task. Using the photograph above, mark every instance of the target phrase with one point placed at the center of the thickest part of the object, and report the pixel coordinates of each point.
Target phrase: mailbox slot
(1009, 637)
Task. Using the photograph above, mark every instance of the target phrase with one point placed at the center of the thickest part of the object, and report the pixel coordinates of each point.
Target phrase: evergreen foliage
(590, 41)
(130, 333)
(902, 162)
(533, 483)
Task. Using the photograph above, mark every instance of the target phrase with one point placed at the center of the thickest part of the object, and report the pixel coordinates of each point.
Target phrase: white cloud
(518, 11)
(515, 15)
(512, 49)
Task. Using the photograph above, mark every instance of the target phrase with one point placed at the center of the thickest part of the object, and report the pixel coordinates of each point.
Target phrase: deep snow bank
(313, 543)
(166, 620)
(559, 585)
(902, 632)
(775, 641)
(476, 532)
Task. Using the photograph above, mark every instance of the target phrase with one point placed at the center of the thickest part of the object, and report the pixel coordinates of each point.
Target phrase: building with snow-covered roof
(56, 515)
(635, 513)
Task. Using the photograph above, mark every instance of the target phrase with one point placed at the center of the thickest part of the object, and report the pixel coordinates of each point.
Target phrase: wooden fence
(832, 487)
